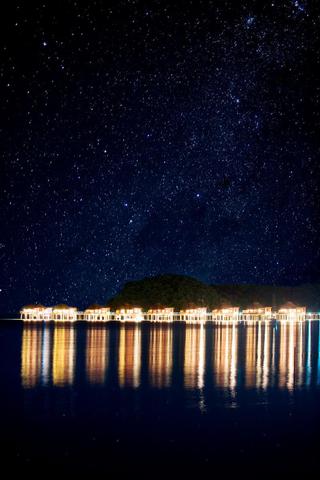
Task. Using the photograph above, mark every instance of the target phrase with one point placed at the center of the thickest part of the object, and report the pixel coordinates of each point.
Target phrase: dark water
(160, 400)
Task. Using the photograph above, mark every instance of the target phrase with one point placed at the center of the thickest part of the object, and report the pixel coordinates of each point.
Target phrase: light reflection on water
(63, 356)
(224, 357)
(194, 353)
(160, 356)
(100, 395)
(97, 340)
(129, 365)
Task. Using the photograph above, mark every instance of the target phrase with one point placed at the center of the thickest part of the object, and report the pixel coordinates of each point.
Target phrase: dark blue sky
(140, 138)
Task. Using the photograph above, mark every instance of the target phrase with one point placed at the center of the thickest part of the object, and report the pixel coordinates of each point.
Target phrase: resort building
(96, 313)
(129, 315)
(225, 314)
(256, 312)
(291, 311)
(193, 315)
(160, 315)
(35, 313)
(64, 313)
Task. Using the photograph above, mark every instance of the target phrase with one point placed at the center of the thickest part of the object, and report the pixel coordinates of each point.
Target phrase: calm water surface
(160, 400)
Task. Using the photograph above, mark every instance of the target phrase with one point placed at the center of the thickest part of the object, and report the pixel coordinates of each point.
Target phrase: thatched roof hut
(62, 306)
(289, 306)
(32, 306)
(95, 306)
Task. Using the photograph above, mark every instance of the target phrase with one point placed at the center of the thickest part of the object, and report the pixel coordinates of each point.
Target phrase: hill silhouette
(181, 292)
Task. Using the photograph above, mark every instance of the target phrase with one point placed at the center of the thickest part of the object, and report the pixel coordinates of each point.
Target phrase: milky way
(140, 138)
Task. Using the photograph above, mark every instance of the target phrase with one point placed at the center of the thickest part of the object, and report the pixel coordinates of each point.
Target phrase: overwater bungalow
(97, 313)
(64, 313)
(193, 314)
(291, 311)
(160, 314)
(257, 312)
(225, 313)
(129, 314)
(35, 313)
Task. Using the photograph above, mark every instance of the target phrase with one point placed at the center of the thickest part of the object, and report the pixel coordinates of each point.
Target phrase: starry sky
(148, 137)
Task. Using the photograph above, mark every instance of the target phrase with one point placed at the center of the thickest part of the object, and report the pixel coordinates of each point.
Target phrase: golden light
(225, 314)
(257, 313)
(96, 313)
(192, 315)
(291, 312)
(129, 315)
(160, 314)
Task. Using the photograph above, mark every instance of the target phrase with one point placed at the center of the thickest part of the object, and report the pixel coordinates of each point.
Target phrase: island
(168, 298)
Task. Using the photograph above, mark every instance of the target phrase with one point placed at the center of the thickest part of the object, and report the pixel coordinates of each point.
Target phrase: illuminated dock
(226, 314)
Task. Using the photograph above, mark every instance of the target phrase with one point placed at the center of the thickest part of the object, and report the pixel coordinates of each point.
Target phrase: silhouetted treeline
(180, 292)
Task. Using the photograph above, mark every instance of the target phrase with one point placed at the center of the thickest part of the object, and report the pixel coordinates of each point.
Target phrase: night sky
(140, 138)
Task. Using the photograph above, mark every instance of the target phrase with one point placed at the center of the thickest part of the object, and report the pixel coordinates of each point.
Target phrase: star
(174, 141)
